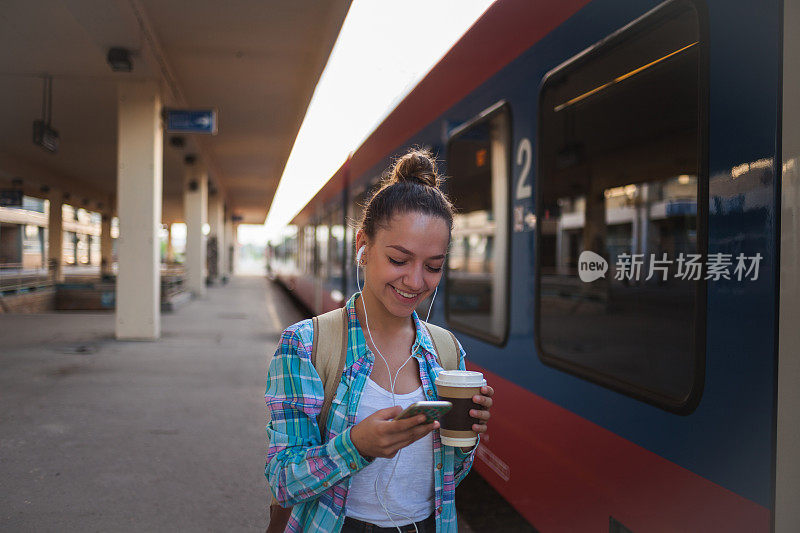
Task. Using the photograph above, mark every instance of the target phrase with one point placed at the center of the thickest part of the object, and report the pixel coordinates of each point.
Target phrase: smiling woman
(338, 472)
(405, 229)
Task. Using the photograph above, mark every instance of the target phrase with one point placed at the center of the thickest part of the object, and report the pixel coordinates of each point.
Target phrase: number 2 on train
(524, 158)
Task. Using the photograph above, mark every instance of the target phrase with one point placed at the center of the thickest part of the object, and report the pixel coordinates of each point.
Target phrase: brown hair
(412, 185)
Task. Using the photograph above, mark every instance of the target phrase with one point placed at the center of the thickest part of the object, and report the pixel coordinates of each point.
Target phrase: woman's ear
(361, 242)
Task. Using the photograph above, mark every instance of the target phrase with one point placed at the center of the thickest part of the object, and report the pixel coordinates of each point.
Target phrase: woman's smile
(406, 297)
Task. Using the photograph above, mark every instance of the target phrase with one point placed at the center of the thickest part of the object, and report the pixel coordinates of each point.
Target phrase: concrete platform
(100, 435)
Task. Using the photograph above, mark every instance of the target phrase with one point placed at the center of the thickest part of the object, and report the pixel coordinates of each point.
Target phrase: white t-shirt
(410, 490)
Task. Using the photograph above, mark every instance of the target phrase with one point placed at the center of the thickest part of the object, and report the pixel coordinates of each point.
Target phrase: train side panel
(559, 443)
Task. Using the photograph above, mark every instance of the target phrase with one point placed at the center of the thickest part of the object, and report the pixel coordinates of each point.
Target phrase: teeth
(405, 294)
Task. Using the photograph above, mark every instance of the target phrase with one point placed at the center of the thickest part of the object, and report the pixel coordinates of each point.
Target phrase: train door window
(292, 261)
(621, 175)
(293, 250)
(301, 251)
(478, 158)
(286, 250)
(321, 254)
(323, 230)
(308, 249)
(336, 248)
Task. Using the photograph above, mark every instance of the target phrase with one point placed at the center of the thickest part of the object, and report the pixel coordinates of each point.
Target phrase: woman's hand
(380, 436)
(484, 399)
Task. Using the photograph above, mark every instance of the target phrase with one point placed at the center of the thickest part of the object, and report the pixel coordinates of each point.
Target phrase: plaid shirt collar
(422, 349)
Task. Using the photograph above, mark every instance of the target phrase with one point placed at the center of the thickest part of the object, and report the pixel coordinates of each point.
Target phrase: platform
(106, 435)
(102, 435)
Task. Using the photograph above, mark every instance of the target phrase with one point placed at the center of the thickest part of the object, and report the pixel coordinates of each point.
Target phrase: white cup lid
(460, 378)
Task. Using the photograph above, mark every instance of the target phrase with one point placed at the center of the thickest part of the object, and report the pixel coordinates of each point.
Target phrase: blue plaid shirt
(314, 474)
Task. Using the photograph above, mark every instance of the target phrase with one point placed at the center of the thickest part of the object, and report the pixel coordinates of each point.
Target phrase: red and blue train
(623, 266)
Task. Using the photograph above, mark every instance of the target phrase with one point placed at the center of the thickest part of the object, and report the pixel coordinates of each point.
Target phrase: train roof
(503, 32)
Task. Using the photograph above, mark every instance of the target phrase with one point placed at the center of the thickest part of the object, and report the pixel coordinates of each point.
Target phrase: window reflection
(619, 166)
(476, 265)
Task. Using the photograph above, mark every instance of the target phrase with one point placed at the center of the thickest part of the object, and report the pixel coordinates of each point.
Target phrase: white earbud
(359, 254)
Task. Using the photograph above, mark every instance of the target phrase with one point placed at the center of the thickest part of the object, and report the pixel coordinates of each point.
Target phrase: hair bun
(417, 166)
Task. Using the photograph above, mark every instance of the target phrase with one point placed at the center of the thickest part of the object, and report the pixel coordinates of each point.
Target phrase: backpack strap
(328, 355)
(445, 345)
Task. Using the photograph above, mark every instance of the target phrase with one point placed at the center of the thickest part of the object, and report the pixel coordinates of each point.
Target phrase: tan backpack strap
(328, 355)
(330, 333)
(445, 345)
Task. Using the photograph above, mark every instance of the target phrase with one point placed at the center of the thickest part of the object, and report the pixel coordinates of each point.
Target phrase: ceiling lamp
(119, 59)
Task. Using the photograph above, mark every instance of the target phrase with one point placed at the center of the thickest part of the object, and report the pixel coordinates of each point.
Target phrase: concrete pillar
(55, 238)
(229, 244)
(195, 213)
(233, 249)
(216, 237)
(224, 259)
(106, 247)
(139, 186)
(170, 249)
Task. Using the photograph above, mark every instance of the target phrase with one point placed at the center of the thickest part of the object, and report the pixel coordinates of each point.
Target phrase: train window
(336, 248)
(286, 250)
(478, 158)
(291, 249)
(621, 175)
(308, 249)
(323, 232)
(321, 256)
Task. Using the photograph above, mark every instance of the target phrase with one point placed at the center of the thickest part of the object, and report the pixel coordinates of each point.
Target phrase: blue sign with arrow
(192, 121)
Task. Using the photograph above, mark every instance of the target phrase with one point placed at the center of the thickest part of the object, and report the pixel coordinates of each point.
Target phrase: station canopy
(257, 62)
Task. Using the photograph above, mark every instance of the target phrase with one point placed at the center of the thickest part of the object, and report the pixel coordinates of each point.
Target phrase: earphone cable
(394, 402)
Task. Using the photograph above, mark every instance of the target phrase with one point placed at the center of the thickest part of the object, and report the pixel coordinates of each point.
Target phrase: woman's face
(404, 262)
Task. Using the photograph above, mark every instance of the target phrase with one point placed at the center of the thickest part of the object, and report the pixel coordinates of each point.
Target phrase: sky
(384, 48)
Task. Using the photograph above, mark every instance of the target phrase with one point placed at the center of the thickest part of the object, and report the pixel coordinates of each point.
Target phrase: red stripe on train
(565, 473)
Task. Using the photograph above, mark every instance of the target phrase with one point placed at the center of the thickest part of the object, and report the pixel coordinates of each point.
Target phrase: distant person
(369, 471)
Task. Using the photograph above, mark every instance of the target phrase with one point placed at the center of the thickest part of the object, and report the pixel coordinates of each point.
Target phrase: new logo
(591, 266)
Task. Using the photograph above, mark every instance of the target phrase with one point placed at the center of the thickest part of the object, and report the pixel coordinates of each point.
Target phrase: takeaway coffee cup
(458, 387)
